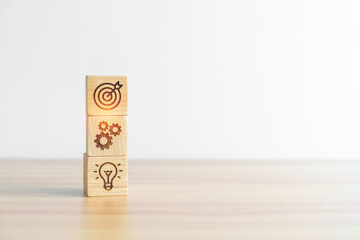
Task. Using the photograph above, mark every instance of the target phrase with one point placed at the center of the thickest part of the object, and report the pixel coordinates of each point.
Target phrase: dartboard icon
(107, 96)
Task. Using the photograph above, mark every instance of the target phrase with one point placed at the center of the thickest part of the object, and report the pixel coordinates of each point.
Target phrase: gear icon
(103, 126)
(115, 129)
(100, 139)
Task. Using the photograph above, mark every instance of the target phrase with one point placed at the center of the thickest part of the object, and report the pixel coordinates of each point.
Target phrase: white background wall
(207, 79)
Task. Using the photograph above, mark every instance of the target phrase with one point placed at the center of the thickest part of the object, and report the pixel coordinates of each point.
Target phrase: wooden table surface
(184, 200)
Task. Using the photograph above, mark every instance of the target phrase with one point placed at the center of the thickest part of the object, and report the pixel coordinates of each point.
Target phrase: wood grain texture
(95, 178)
(92, 82)
(119, 143)
(273, 200)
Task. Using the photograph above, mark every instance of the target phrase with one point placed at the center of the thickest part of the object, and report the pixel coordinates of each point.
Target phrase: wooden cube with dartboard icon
(105, 160)
(107, 136)
(106, 95)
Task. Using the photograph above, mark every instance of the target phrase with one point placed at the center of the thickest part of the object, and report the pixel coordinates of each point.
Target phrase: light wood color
(119, 146)
(93, 82)
(96, 181)
(250, 200)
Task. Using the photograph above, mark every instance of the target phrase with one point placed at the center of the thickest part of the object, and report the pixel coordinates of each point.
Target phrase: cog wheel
(103, 126)
(99, 139)
(115, 129)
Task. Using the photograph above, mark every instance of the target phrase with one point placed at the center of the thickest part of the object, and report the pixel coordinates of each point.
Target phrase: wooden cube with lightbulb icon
(107, 136)
(105, 176)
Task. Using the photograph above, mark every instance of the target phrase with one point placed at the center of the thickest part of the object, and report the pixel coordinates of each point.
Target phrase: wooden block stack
(105, 162)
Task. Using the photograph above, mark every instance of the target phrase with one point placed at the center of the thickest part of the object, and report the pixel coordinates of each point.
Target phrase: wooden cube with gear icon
(105, 176)
(107, 136)
(106, 95)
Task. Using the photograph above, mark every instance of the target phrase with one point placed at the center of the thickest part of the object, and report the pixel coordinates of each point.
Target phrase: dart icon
(107, 96)
(117, 86)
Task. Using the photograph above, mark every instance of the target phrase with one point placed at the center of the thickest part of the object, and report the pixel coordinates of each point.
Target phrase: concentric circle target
(107, 96)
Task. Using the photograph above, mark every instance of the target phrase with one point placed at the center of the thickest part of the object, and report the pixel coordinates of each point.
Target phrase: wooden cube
(107, 136)
(105, 176)
(106, 95)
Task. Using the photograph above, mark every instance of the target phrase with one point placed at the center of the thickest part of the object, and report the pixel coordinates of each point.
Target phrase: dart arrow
(118, 85)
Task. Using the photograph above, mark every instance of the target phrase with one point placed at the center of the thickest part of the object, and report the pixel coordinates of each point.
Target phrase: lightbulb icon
(108, 172)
